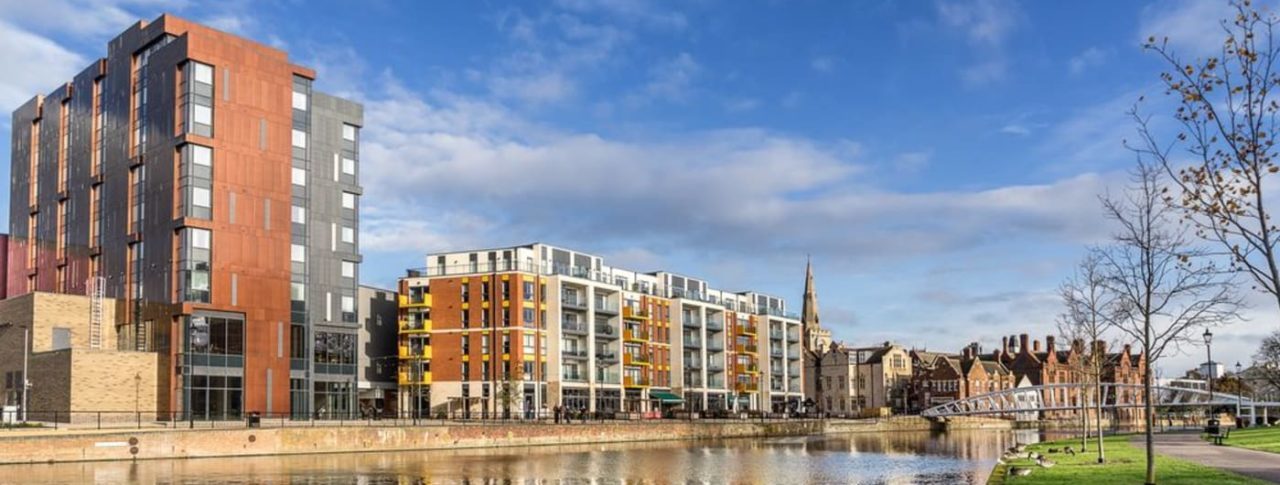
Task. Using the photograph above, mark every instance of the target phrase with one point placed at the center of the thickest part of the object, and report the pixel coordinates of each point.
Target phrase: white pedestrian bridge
(1027, 403)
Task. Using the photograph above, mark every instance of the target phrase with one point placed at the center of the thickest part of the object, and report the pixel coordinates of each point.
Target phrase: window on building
(299, 101)
(348, 132)
(299, 139)
(197, 100)
(349, 309)
(348, 235)
(195, 252)
(348, 200)
(298, 215)
(196, 181)
(299, 177)
(348, 166)
(298, 253)
(348, 269)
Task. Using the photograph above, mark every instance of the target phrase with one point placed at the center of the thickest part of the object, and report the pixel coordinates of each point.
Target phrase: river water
(865, 458)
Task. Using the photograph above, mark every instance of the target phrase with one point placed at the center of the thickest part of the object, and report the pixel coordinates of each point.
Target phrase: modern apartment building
(526, 327)
(378, 310)
(197, 178)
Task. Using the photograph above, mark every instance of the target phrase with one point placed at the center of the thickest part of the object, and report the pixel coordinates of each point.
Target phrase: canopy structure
(665, 397)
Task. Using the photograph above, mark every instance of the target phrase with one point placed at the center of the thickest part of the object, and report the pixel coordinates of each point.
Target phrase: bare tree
(1229, 124)
(1090, 309)
(1165, 289)
(1267, 365)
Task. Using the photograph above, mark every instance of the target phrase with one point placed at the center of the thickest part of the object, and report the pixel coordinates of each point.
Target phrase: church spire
(809, 314)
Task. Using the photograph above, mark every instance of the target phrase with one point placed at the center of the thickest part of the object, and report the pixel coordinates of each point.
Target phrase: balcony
(421, 301)
(692, 363)
(574, 328)
(574, 353)
(606, 332)
(746, 368)
(793, 356)
(635, 335)
(414, 325)
(713, 346)
(746, 348)
(407, 353)
(793, 337)
(606, 377)
(630, 381)
(692, 380)
(407, 380)
(635, 313)
(692, 341)
(572, 303)
(606, 356)
(775, 352)
(573, 377)
(746, 329)
(692, 322)
(604, 307)
(715, 325)
(746, 386)
(634, 359)
(715, 367)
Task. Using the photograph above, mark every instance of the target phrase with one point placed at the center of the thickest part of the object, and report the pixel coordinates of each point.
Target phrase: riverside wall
(71, 445)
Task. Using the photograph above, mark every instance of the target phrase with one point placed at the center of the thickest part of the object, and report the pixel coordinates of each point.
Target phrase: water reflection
(888, 458)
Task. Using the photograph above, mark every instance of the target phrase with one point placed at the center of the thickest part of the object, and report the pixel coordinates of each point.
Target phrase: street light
(1208, 350)
(1239, 396)
(26, 349)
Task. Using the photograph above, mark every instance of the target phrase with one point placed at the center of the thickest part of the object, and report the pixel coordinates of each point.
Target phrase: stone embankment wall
(160, 444)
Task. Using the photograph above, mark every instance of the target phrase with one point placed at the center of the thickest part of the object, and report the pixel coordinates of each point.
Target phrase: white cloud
(83, 18)
(635, 10)
(669, 80)
(987, 26)
(1192, 26)
(32, 65)
(912, 162)
(1016, 129)
(1091, 57)
(822, 63)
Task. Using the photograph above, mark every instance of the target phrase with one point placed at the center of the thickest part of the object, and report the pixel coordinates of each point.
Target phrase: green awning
(664, 396)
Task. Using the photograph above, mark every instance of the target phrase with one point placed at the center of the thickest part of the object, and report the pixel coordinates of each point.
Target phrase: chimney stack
(1048, 343)
(1024, 343)
(1036, 346)
(1004, 344)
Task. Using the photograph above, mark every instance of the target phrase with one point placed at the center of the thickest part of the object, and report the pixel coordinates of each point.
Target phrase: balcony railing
(606, 355)
(746, 329)
(575, 353)
(692, 341)
(629, 381)
(606, 377)
(635, 359)
(636, 313)
(606, 332)
(579, 328)
(715, 367)
(793, 337)
(574, 303)
(793, 356)
(635, 335)
(603, 306)
(693, 380)
(715, 324)
(775, 352)
(692, 322)
(409, 352)
(573, 377)
(746, 368)
(746, 348)
(715, 382)
(715, 346)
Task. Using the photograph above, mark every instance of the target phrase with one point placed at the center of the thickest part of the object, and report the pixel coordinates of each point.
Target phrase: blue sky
(940, 160)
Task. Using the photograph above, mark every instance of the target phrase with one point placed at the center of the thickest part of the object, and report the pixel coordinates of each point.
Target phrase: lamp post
(1239, 397)
(1208, 349)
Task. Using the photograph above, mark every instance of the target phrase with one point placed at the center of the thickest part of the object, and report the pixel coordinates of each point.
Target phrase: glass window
(348, 235)
(299, 215)
(202, 114)
(200, 197)
(348, 269)
(297, 291)
(299, 101)
(348, 132)
(348, 166)
(299, 177)
(298, 253)
(200, 238)
(204, 73)
(348, 304)
(299, 138)
(348, 200)
(201, 155)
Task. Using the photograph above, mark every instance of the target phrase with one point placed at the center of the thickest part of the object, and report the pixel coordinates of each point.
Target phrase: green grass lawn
(1261, 439)
(1126, 464)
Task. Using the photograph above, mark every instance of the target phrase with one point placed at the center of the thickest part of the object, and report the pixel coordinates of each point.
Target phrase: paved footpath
(1189, 446)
